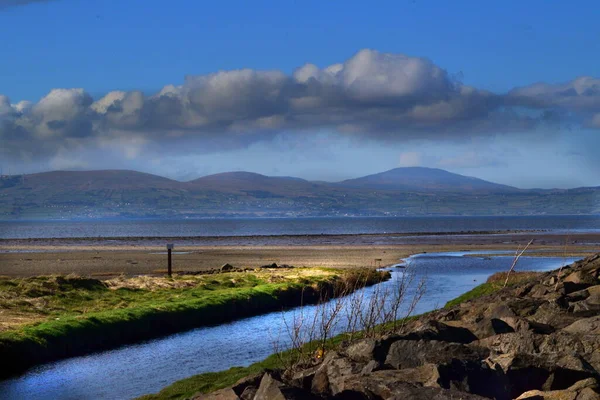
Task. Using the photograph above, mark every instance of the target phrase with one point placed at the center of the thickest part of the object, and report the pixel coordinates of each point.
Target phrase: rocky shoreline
(539, 339)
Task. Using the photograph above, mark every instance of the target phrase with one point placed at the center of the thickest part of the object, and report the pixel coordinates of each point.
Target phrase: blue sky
(107, 46)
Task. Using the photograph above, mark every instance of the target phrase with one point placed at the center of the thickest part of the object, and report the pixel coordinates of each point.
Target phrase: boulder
(273, 389)
(389, 385)
(554, 315)
(411, 354)
(436, 330)
(368, 349)
(584, 326)
(520, 342)
(523, 325)
(524, 372)
(329, 377)
(490, 327)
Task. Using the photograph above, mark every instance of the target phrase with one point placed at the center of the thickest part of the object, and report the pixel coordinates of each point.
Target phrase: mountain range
(400, 191)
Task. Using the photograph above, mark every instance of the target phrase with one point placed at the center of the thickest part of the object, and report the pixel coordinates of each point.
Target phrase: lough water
(291, 226)
(131, 371)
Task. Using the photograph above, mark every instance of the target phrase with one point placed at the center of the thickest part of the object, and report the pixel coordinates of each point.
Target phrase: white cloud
(374, 95)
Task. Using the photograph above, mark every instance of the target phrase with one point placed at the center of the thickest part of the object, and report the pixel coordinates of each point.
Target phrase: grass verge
(76, 315)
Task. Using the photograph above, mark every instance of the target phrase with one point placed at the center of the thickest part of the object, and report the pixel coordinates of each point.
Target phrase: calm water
(131, 371)
(291, 226)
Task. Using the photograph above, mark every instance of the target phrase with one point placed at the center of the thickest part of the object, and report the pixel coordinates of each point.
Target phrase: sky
(323, 90)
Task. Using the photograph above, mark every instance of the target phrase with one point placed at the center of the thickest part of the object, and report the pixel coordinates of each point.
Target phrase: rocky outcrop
(538, 340)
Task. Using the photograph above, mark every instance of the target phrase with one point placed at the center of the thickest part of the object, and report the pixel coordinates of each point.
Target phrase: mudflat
(131, 256)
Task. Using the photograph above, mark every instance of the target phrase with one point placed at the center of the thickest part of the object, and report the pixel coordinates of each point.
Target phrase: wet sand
(110, 257)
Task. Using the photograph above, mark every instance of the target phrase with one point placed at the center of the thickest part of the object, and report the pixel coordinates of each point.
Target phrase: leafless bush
(517, 256)
(356, 310)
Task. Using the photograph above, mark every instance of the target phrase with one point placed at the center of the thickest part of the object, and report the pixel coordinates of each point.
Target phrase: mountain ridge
(240, 175)
(397, 192)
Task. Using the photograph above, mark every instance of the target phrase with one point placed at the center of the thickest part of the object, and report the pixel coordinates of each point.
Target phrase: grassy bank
(48, 318)
(211, 381)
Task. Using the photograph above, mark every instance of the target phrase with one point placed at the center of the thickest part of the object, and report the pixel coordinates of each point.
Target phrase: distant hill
(98, 180)
(398, 192)
(249, 182)
(425, 179)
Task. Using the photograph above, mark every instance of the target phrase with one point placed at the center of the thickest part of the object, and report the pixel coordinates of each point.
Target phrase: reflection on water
(134, 370)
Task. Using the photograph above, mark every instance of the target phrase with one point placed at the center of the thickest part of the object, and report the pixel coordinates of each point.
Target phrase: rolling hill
(425, 179)
(249, 182)
(401, 191)
(97, 180)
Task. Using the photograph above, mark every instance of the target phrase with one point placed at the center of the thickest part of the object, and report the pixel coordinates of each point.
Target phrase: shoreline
(300, 235)
(106, 257)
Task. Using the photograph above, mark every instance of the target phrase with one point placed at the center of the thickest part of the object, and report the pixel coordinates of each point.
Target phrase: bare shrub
(517, 256)
(355, 310)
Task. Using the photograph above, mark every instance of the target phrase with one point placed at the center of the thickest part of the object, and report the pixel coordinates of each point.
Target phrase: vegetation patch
(493, 284)
(56, 317)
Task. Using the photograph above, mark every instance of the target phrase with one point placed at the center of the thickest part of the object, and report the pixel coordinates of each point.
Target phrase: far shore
(107, 257)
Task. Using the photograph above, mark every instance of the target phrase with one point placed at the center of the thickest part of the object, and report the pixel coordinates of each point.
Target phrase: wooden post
(169, 265)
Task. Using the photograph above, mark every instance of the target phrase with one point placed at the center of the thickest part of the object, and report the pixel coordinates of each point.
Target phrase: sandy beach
(129, 256)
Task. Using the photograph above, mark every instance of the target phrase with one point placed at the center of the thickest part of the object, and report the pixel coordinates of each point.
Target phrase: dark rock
(273, 389)
(435, 330)
(227, 267)
(501, 310)
(388, 385)
(585, 326)
(580, 277)
(582, 390)
(553, 315)
(274, 265)
(491, 327)
(523, 325)
(249, 381)
(329, 377)
(223, 394)
(249, 393)
(524, 307)
(371, 366)
(304, 378)
(365, 350)
(539, 291)
(411, 354)
(525, 372)
(521, 342)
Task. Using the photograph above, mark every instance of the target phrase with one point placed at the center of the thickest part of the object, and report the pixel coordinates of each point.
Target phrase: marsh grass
(494, 284)
(67, 316)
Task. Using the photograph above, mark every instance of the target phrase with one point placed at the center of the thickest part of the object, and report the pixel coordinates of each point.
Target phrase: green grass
(482, 290)
(80, 315)
(211, 381)
(494, 284)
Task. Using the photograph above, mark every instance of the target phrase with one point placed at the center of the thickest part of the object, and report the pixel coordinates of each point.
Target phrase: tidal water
(131, 371)
(291, 226)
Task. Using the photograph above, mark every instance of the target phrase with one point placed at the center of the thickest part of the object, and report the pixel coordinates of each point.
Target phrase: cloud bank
(372, 95)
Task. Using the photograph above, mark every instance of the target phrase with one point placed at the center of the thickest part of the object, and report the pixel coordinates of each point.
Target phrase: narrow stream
(134, 370)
